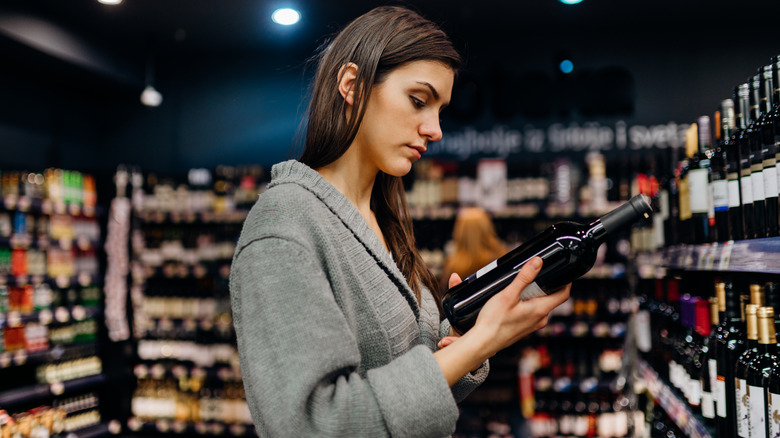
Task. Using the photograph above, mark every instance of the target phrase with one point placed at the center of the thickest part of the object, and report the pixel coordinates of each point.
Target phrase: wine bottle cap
(703, 322)
(757, 295)
(714, 309)
(720, 294)
(766, 326)
(751, 321)
(636, 209)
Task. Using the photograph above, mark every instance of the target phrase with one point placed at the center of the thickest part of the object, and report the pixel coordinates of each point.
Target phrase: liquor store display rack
(187, 376)
(53, 381)
(755, 256)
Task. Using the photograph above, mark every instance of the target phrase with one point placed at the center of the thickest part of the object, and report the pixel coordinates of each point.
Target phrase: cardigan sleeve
(463, 387)
(300, 358)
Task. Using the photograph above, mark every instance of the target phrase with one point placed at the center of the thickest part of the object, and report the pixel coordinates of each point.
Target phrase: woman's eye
(417, 102)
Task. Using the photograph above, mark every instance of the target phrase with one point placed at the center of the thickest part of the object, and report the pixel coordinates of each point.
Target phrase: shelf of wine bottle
(677, 409)
(755, 255)
(202, 428)
(42, 391)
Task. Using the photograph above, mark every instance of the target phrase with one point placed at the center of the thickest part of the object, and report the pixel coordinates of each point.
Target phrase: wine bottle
(730, 343)
(756, 161)
(699, 166)
(719, 184)
(745, 183)
(773, 381)
(741, 371)
(709, 373)
(758, 373)
(766, 136)
(774, 116)
(567, 249)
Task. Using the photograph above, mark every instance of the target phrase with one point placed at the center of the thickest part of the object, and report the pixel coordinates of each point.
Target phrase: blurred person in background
(475, 244)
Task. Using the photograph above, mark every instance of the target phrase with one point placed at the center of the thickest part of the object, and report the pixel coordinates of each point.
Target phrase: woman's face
(402, 116)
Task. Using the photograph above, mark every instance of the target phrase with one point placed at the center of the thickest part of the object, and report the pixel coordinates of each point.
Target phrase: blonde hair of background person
(476, 244)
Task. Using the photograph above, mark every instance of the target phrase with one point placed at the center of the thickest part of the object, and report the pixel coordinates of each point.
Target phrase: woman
(476, 243)
(336, 322)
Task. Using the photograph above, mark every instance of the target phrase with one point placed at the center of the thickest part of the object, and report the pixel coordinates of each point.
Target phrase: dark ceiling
(117, 40)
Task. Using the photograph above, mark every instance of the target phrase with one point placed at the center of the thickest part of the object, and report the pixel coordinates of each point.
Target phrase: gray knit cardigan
(331, 338)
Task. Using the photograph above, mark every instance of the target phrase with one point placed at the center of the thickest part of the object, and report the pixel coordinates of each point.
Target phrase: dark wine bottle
(745, 183)
(731, 341)
(567, 249)
(720, 190)
(753, 135)
(709, 371)
(758, 373)
(766, 134)
(773, 381)
(741, 371)
(699, 166)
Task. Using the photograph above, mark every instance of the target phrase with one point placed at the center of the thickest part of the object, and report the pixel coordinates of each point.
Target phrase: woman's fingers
(454, 280)
(526, 276)
(447, 340)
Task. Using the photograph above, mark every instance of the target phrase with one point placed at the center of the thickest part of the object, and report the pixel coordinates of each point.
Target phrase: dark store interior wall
(246, 107)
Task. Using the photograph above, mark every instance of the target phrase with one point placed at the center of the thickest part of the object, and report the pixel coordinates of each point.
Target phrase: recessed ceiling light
(566, 66)
(110, 2)
(570, 2)
(286, 16)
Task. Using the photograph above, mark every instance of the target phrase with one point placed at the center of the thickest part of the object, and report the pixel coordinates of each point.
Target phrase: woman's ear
(347, 80)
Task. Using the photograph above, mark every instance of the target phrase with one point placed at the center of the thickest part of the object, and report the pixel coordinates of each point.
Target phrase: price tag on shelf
(725, 255)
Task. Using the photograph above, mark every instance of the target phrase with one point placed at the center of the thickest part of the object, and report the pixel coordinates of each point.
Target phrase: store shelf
(42, 391)
(23, 357)
(211, 428)
(187, 217)
(57, 315)
(83, 279)
(98, 430)
(756, 255)
(677, 408)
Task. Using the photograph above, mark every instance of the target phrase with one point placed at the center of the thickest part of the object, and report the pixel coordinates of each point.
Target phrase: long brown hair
(378, 42)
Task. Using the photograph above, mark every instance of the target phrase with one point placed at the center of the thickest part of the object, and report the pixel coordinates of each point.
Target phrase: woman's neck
(351, 179)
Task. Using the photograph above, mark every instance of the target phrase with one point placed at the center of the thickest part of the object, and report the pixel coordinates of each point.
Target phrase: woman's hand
(505, 319)
(502, 321)
(447, 340)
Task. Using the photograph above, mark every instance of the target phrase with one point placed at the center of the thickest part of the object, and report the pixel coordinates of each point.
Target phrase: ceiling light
(566, 66)
(151, 97)
(286, 16)
(570, 2)
(110, 2)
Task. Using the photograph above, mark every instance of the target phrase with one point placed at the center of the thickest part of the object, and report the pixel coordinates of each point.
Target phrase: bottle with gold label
(741, 371)
(759, 370)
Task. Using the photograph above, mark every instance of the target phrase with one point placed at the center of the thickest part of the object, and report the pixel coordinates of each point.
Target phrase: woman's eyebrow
(431, 87)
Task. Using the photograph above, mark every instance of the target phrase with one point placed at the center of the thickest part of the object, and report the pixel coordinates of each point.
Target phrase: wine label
(757, 418)
(758, 186)
(713, 367)
(720, 195)
(734, 194)
(774, 415)
(747, 190)
(698, 186)
(707, 405)
(770, 182)
(643, 331)
(694, 392)
(743, 410)
(720, 401)
(487, 268)
(532, 291)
